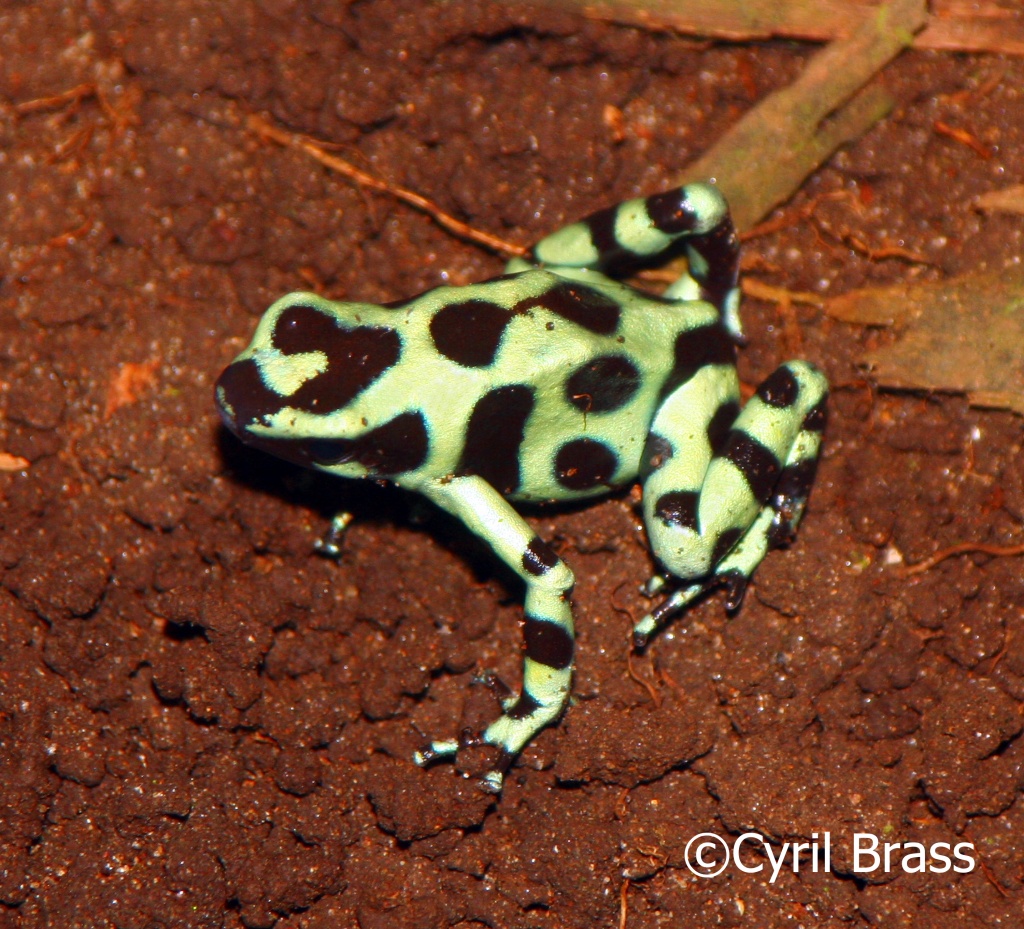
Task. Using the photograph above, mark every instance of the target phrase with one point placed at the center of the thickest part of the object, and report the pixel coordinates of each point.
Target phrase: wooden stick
(803, 124)
(963, 548)
(953, 26)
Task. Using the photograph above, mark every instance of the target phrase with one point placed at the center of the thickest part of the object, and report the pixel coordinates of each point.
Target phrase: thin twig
(760, 290)
(643, 682)
(873, 253)
(964, 138)
(315, 150)
(963, 548)
(56, 101)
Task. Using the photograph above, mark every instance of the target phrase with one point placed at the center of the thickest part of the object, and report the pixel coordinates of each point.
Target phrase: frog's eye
(303, 329)
(355, 357)
(399, 445)
(328, 451)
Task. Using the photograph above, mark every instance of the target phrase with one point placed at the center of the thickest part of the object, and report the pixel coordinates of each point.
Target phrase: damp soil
(204, 723)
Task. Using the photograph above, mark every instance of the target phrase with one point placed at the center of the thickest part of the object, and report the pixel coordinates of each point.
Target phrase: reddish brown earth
(202, 723)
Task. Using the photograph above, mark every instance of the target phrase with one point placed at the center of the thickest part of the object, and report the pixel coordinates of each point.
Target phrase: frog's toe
(735, 583)
(674, 603)
(641, 637)
(655, 584)
(435, 751)
(492, 782)
(327, 548)
(496, 686)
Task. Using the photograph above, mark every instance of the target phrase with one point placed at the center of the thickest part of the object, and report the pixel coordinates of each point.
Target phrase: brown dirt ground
(204, 724)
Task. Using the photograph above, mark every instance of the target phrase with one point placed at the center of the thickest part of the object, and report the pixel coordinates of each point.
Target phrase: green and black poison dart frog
(553, 382)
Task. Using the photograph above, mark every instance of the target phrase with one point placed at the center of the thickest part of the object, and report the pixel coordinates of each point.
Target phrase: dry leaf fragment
(131, 380)
(961, 335)
(1007, 200)
(9, 462)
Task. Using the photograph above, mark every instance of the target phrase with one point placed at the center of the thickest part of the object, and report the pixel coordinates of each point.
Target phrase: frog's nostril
(242, 396)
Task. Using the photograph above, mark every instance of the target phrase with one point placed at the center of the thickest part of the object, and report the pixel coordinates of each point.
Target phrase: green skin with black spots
(554, 382)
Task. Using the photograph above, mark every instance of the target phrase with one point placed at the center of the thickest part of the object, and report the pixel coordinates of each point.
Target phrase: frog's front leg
(723, 488)
(548, 629)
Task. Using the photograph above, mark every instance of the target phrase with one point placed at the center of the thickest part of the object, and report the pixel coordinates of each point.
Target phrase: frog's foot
(724, 491)
(522, 719)
(733, 573)
(547, 629)
(329, 544)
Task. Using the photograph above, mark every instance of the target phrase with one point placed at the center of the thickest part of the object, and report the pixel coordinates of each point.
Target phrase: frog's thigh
(548, 630)
(757, 478)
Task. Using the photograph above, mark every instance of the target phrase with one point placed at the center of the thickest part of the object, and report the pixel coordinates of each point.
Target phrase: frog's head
(290, 391)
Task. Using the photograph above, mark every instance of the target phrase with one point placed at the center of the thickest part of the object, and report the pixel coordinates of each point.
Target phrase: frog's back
(545, 382)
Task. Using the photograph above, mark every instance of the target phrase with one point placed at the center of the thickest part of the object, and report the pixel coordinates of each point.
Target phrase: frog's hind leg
(723, 488)
(548, 629)
(637, 231)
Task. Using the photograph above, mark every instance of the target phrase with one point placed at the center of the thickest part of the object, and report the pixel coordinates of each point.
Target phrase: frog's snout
(245, 401)
(243, 398)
